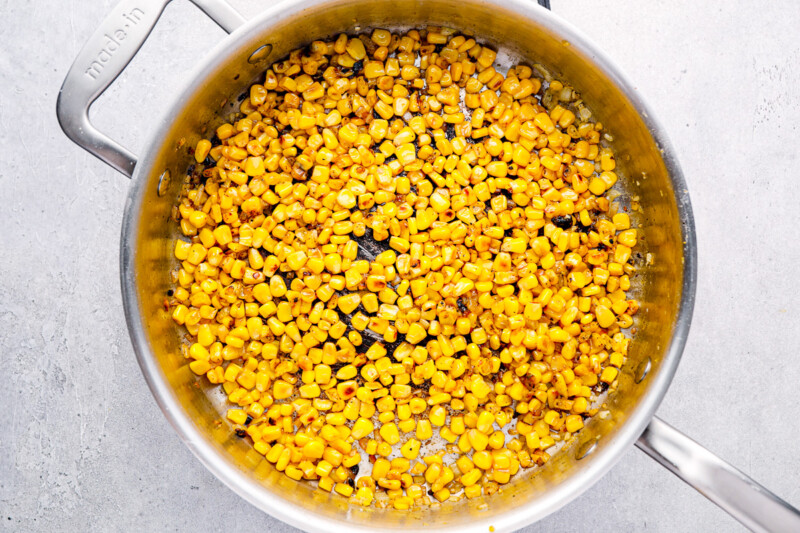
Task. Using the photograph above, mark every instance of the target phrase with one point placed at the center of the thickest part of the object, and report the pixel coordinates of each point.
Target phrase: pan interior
(521, 32)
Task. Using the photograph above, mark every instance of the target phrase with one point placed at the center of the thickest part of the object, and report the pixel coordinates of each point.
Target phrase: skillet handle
(737, 494)
(104, 57)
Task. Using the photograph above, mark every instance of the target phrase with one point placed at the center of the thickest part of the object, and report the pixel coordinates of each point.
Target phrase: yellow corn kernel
(609, 374)
(410, 450)
(282, 390)
(356, 49)
(200, 367)
(627, 238)
(389, 433)
(605, 317)
(296, 260)
(344, 489)
(621, 221)
(349, 302)
(361, 428)
(237, 416)
(574, 423)
(424, 430)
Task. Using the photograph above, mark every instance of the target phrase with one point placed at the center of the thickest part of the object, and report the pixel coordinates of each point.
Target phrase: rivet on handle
(260, 54)
(642, 370)
(163, 183)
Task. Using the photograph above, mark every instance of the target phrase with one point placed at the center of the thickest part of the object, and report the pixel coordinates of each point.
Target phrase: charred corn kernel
(363, 262)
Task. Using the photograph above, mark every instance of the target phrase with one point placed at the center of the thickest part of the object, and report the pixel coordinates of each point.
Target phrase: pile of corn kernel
(403, 263)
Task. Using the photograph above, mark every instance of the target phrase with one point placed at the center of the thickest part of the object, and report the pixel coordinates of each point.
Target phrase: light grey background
(83, 446)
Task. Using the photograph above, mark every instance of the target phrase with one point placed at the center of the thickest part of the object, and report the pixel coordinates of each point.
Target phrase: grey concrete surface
(83, 446)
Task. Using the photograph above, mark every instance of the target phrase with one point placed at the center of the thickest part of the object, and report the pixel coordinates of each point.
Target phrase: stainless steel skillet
(522, 29)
